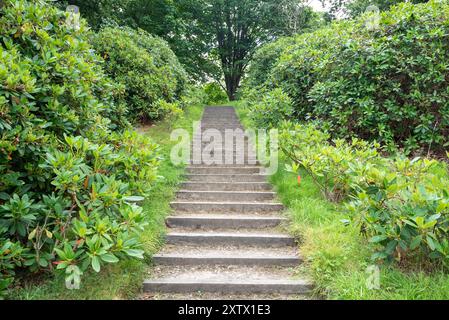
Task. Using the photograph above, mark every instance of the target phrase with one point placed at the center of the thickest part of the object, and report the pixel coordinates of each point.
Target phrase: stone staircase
(225, 235)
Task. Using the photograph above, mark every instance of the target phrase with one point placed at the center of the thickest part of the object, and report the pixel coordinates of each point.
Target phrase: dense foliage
(214, 39)
(295, 69)
(151, 75)
(73, 173)
(354, 8)
(269, 108)
(264, 60)
(98, 13)
(67, 182)
(214, 94)
(400, 204)
(238, 28)
(387, 83)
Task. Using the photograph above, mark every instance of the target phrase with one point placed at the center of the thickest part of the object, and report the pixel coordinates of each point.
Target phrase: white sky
(316, 5)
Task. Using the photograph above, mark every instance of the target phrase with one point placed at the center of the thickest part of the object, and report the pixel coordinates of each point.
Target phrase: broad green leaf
(377, 239)
(415, 242)
(109, 257)
(96, 264)
(134, 253)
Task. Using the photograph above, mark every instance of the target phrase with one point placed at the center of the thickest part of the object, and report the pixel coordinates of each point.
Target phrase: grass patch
(123, 280)
(336, 254)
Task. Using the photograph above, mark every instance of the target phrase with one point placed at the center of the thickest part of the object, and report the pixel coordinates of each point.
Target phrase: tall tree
(213, 39)
(239, 27)
(178, 22)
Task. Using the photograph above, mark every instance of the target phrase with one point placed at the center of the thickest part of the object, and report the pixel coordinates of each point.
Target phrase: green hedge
(264, 60)
(214, 94)
(147, 69)
(401, 205)
(388, 84)
(65, 177)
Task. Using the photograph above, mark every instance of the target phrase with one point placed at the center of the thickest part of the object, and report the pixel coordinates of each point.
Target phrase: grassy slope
(337, 255)
(124, 280)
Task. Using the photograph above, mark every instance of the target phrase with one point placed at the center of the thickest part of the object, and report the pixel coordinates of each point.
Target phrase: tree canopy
(213, 39)
(216, 39)
(353, 8)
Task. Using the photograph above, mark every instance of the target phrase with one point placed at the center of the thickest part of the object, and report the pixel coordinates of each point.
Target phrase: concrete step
(226, 165)
(225, 170)
(223, 237)
(220, 148)
(223, 151)
(227, 186)
(229, 250)
(241, 207)
(232, 124)
(218, 196)
(228, 286)
(222, 161)
(225, 119)
(222, 126)
(224, 142)
(209, 221)
(222, 154)
(237, 260)
(226, 177)
(222, 145)
(236, 136)
(223, 158)
(220, 120)
(202, 140)
(225, 279)
(230, 238)
(236, 133)
(220, 296)
(217, 149)
(223, 130)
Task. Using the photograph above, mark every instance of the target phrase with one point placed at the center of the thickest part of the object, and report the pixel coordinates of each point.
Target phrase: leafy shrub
(214, 94)
(335, 167)
(10, 258)
(146, 68)
(405, 210)
(299, 66)
(194, 96)
(393, 84)
(67, 182)
(388, 84)
(51, 86)
(263, 61)
(270, 109)
(401, 205)
(99, 223)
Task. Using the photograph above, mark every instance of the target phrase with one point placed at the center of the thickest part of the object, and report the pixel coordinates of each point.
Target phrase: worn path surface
(225, 237)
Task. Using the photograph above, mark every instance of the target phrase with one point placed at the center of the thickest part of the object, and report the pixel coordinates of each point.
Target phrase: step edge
(226, 192)
(215, 202)
(228, 235)
(236, 257)
(213, 217)
(230, 282)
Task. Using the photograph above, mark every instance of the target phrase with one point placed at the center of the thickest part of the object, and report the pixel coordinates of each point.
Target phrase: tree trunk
(232, 84)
